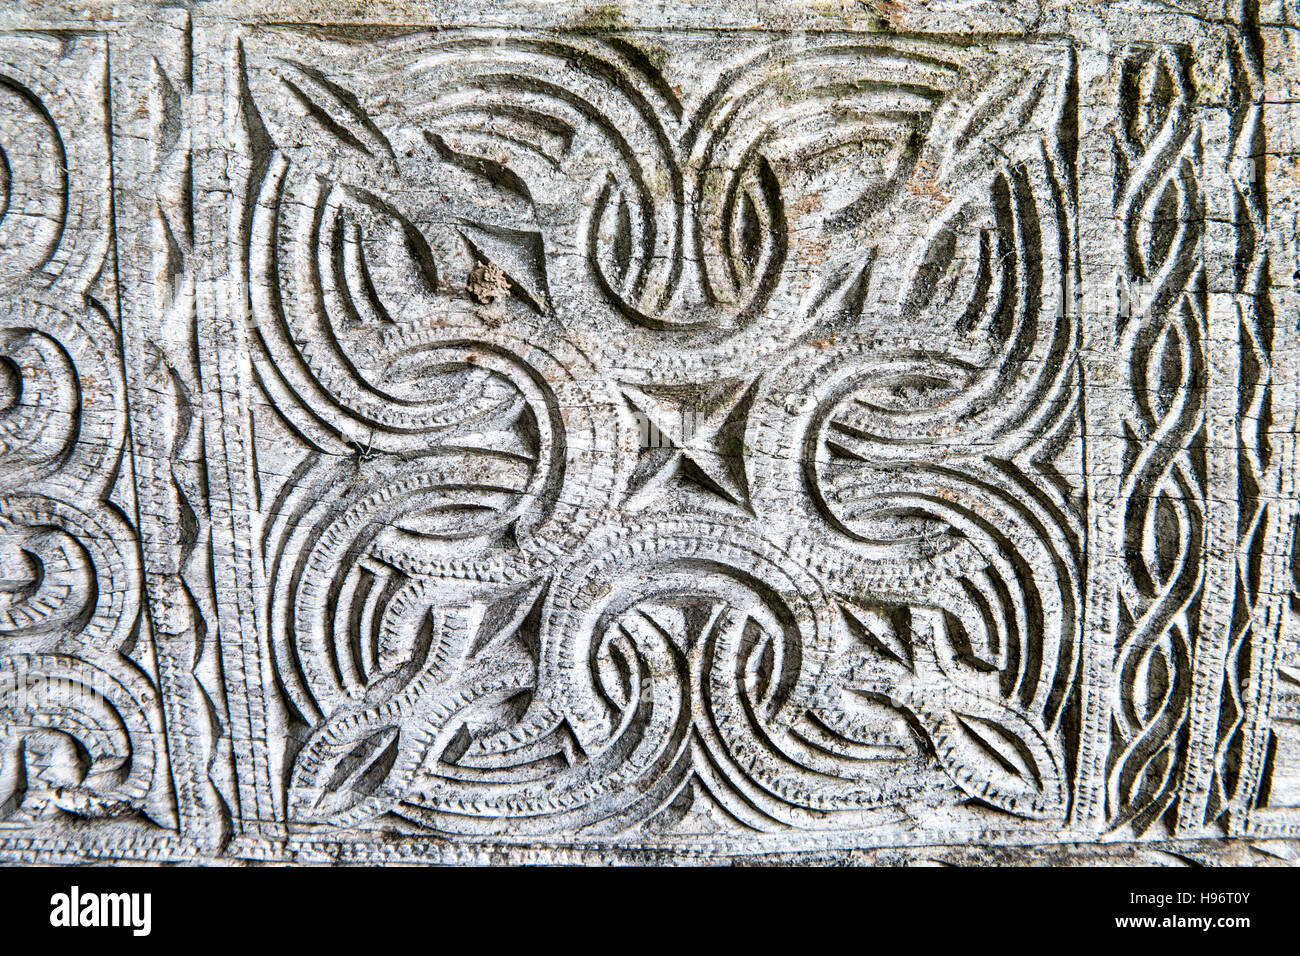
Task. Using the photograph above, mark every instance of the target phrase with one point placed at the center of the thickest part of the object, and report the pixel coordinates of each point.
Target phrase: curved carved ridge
(81, 727)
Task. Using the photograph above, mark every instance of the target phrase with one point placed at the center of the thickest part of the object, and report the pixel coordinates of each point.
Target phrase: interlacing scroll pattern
(548, 350)
(443, 439)
(1260, 522)
(79, 714)
(1163, 334)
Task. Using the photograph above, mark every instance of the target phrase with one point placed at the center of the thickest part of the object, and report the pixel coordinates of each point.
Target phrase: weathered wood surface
(857, 432)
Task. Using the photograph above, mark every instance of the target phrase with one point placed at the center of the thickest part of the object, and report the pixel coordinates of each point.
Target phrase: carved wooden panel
(574, 434)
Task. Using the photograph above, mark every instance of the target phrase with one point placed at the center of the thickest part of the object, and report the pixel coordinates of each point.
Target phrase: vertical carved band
(80, 716)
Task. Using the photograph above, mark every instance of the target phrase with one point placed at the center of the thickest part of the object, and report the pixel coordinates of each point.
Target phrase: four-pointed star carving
(691, 435)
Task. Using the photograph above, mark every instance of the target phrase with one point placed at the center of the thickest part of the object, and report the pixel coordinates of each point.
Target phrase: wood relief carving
(646, 440)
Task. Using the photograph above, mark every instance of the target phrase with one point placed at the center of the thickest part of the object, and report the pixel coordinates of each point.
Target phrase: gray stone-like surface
(827, 432)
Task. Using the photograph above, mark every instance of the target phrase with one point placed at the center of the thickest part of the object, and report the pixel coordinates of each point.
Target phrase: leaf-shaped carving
(882, 151)
(999, 109)
(294, 108)
(771, 668)
(622, 239)
(519, 254)
(753, 232)
(844, 291)
(83, 746)
(925, 385)
(494, 214)
(959, 270)
(948, 671)
(618, 670)
(334, 108)
(618, 247)
(491, 183)
(999, 762)
(1000, 116)
(360, 770)
(962, 267)
(747, 235)
(381, 262)
(886, 632)
(1154, 89)
(166, 111)
(448, 673)
(344, 769)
